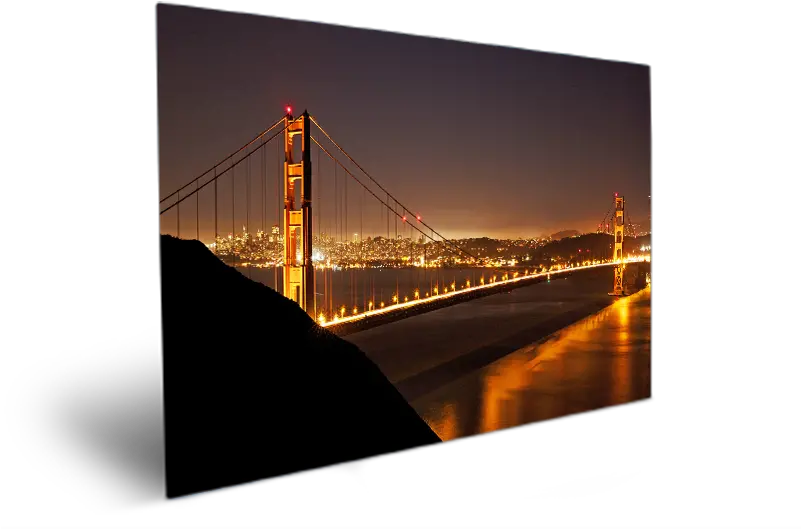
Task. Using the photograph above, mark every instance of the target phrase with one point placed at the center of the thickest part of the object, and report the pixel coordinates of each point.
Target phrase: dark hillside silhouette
(253, 388)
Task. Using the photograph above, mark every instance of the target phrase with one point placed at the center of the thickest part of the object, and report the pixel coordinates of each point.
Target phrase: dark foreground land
(253, 388)
(311, 420)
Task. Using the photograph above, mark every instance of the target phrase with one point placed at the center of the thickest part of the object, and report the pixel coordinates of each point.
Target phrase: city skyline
(484, 140)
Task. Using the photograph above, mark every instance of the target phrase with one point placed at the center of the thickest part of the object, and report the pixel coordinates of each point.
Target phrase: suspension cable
(247, 248)
(264, 192)
(247, 199)
(229, 168)
(265, 131)
(397, 215)
(233, 213)
(380, 186)
(216, 242)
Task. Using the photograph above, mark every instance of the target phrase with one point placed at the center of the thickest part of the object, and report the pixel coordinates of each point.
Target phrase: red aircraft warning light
(289, 112)
(418, 218)
(404, 218)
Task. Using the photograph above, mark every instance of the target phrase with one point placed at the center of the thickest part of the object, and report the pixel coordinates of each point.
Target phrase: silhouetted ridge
(253, 388)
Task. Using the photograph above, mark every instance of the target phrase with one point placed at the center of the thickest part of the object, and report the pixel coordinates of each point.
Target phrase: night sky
(480, 140)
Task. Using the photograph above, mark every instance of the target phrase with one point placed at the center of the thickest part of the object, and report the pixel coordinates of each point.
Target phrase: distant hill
(565, 233)
(598, 245)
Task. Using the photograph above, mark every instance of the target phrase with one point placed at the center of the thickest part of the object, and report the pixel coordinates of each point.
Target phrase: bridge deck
(602, 360)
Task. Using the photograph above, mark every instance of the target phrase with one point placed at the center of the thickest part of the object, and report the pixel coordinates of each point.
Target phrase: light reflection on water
(599, 361)
(445, 425)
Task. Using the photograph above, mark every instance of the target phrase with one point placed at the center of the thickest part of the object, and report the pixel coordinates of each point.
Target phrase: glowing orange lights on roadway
(493, 282)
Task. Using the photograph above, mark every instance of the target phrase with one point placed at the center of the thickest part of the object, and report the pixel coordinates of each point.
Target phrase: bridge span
(399, 237)
(381, 316)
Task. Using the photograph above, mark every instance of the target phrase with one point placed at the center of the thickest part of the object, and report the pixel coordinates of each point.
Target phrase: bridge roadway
(454, 355)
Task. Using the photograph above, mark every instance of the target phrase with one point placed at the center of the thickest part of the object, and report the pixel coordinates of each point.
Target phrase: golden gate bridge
(304, 271)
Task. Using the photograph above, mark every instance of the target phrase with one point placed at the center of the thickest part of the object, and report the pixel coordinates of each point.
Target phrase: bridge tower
(620, 267)
(298, 267)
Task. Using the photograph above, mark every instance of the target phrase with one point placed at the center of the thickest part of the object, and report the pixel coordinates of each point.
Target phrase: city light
(265, 248)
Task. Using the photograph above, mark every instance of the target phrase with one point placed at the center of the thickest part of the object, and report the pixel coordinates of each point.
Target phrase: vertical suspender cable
(265, 193)
(247, 213)
(397, 263)
(216, 240)
(279, 183)
(233, 220)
